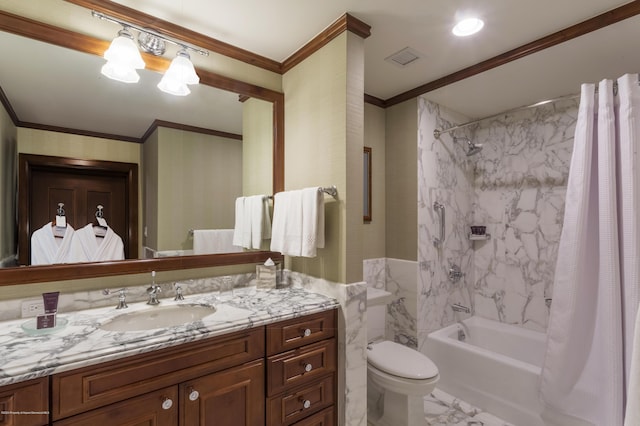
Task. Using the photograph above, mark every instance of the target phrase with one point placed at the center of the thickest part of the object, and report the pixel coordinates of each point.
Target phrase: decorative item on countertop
(266, 275)
(48, 320)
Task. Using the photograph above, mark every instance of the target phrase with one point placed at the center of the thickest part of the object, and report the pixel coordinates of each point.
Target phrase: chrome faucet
(153, 292)
(463, 332)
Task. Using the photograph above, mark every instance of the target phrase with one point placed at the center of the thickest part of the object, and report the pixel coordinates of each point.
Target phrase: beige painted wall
(324, 112)
(373, 233)
(199, 178)
(257, 147)
(401, 236)
(45, 142)
(8, 136)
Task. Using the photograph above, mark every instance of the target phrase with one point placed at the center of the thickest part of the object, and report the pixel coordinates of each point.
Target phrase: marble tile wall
(519, 194)
(445, 175)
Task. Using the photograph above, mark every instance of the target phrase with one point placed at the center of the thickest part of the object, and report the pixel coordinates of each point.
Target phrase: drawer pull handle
(193, 394)
(307, 332)
(308, 367)
(167, 403)
(306, 404)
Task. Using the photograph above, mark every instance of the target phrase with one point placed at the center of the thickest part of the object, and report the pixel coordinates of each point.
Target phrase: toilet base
(401, 410)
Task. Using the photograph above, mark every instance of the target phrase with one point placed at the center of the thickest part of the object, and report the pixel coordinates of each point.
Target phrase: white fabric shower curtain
(597, 282)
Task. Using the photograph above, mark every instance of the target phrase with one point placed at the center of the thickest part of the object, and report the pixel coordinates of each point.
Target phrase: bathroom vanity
(274, 364)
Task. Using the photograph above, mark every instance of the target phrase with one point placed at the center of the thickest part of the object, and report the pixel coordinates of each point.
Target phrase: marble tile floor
(442, 409)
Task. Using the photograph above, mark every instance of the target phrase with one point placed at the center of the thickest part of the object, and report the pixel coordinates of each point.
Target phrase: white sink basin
(158, 317)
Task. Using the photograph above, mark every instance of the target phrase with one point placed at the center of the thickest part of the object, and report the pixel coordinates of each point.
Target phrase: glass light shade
(180, 73)
(467, 27)
(173, 87)
(123, 58)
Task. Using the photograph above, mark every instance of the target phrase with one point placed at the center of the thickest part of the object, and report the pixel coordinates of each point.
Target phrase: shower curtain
(597, 283)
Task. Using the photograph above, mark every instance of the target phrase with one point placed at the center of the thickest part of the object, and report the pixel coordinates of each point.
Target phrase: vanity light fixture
(123, 57)
(467, 27)
(180, 73)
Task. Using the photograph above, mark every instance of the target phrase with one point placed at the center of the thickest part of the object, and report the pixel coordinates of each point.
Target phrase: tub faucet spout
(460, 308)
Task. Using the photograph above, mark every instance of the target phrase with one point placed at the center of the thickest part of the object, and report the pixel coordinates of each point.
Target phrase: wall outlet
(32, 308)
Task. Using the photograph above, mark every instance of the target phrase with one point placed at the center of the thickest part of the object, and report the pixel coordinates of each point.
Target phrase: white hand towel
(238, 225)
(286, 230)
(632, 415)
(260, 221)
(211, 241)
(312, 221)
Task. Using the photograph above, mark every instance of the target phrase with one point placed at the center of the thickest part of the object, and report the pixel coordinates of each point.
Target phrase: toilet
(404, 375)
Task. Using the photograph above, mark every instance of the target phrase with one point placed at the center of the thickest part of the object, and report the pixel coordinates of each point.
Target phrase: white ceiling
(278, 28)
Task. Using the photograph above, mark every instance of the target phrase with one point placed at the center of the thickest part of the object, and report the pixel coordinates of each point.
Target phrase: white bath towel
(252, 222)
(312, 221)
(47, 249)
(298, 222)
(88, 247)
(286, 230)
(211, 241)
(632, 415)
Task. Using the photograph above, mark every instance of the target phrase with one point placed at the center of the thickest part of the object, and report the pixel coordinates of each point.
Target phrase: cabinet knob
(306, 332)
(307, 367)
(167, 403)
(306, 404)
(193, 394)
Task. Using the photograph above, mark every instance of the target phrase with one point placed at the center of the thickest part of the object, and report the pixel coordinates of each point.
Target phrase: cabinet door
(25, 403)
(159, 408)
(233, 397)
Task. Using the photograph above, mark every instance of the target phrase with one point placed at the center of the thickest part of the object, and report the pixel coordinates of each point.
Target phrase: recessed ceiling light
(468, 26)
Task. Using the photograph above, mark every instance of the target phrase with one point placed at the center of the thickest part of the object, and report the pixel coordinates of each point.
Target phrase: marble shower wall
(445, 175)
(520, 185)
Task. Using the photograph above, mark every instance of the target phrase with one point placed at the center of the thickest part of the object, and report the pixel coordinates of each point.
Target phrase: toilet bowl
(404, 375)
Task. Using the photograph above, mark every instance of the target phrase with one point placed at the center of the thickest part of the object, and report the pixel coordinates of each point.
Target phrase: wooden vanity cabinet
(281, 374)
(25, 403)
(301, 370)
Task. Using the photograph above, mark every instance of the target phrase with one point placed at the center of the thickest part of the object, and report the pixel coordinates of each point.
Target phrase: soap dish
(30, 327)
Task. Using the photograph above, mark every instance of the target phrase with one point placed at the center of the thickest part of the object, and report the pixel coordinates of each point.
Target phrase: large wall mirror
(196, 154)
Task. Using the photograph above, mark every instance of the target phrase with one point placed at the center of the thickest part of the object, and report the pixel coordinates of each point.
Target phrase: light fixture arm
(154, 33)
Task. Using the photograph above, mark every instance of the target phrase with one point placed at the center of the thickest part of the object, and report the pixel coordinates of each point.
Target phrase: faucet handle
(122, 297)
(179, 295)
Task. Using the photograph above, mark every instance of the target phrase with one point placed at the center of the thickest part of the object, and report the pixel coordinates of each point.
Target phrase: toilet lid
(401, 361)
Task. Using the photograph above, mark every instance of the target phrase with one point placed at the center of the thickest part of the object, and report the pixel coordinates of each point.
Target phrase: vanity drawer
(296, 332)
(300, 366)
(323, 418)
(80, 390)
(298, 404)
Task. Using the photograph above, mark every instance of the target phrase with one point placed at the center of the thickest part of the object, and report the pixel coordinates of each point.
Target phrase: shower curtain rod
(437, 133)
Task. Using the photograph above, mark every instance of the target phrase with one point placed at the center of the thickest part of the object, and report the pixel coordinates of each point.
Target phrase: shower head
(472, 148)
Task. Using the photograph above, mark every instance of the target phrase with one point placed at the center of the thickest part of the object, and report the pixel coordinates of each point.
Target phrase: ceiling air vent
(404, 57)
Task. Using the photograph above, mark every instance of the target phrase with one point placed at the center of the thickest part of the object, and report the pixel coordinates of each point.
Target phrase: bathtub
(496, 369)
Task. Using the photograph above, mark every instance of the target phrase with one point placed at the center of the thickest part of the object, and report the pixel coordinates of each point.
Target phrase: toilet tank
(377, 300)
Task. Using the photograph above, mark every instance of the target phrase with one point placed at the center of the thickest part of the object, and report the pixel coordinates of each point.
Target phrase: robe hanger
(100, 225)
(59, 223)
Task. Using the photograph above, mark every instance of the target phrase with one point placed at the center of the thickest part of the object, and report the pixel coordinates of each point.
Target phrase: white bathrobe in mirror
(89, 247)
(47, 248)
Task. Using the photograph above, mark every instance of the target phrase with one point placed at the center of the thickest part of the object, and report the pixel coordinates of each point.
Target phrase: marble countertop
(82, 342)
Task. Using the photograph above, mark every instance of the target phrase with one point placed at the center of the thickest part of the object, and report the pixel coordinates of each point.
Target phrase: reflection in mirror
(195, 154)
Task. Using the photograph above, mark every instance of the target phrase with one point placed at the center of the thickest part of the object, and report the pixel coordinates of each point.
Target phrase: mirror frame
(69, 39)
